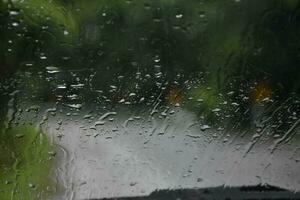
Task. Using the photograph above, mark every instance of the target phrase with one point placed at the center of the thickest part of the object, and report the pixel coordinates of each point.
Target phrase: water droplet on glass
(15, 24)
(76, 106)
(13, 13)
(204, 127)
(178, 16)
(52, 70)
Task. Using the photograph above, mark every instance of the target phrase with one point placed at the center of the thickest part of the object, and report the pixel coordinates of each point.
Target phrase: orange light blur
(174, 96)
(260, 92)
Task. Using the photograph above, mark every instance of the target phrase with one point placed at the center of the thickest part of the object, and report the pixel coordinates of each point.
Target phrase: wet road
(129, 152)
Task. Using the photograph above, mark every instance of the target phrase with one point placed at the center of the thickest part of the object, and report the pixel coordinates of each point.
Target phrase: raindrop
(179, 16)
(30, 185)
(15, 24)
(13, 13)
(52, 70)
(78, 86)
(99, 123)
(61, 87)
(132, 94)
(133, 184)
(107, 115)
(199, 180)
(87, 116)
(204, 127)
(216, 110)
(76, 106)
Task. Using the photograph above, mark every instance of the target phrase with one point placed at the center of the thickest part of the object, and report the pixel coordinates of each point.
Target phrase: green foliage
(39, 13)
(248, 39)
(24, 163)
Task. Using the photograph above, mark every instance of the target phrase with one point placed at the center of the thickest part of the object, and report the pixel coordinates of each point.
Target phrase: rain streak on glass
(103, 99)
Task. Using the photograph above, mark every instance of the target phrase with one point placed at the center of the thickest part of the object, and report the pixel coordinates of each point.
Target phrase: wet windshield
(105, 98)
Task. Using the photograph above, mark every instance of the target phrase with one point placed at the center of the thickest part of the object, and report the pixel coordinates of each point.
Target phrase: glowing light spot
(174, 96)
(260, 92)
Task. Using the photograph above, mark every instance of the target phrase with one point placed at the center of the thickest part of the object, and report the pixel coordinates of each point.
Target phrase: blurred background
(146, 75)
